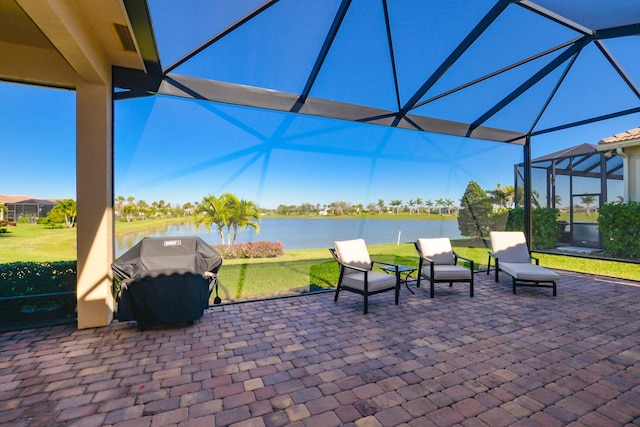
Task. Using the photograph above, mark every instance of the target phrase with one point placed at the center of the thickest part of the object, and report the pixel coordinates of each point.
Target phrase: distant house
(627, 146)
(26, 206)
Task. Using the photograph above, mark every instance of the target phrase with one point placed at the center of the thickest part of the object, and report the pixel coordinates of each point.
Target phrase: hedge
(544, 226)
(620, 229)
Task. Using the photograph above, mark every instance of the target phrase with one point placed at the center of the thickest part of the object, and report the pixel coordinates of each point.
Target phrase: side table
(402, 269)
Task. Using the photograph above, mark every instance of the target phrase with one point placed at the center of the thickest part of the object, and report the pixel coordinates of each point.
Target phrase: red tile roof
(628, 135)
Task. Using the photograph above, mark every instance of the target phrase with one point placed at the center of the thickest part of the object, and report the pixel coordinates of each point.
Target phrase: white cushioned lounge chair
(511, 254)
(438, 263)
(356, 272)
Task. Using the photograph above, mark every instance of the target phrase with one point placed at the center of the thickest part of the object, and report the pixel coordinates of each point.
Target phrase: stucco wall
(633, 162)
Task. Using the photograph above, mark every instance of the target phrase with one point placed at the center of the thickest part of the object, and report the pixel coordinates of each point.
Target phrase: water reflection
(307, 233)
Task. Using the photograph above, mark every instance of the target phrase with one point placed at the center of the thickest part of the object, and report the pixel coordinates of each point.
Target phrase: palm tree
(419, 202)
(509, 194)
(119, 205)
(243, 216)
(143, 208)
(212, 210)
(439, 205)
(412, 203)
(429, 205)
(396, 203)
(130, 208)
(587, 200)
(380, 205)
(449, 204)
(69, 209)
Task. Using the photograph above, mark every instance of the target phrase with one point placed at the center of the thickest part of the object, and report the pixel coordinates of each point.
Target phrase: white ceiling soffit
(58, 42)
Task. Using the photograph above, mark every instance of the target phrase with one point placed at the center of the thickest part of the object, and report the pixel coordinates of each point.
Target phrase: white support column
(94, 176)
(632, 173)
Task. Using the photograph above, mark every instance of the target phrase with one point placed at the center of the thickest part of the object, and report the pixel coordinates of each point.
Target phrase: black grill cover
(163, 279)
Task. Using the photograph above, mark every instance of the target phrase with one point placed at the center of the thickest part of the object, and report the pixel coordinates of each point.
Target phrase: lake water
(307, 233)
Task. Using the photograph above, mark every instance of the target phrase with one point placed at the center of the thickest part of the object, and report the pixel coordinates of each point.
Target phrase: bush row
(42, 280)
(260, 249)
(30, 278)
(620, 228)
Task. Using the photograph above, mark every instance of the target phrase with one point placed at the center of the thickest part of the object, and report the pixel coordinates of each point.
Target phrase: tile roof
(628, 135)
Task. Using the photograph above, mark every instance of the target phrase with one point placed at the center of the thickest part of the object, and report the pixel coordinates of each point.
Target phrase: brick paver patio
(496, 359)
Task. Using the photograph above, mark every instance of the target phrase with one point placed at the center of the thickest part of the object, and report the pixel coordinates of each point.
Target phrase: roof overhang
(58, 43)
(616, 145)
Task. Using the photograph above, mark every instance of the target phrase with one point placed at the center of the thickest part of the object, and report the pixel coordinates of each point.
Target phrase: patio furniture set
(438, 264)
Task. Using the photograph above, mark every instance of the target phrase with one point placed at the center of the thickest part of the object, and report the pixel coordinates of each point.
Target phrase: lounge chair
(442, 264)
(356, 272)
(511, 254)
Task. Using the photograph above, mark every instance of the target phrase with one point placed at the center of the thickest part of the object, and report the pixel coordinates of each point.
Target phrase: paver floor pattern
(495, 359)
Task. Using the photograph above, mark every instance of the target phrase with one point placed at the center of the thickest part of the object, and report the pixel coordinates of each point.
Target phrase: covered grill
(166, 280)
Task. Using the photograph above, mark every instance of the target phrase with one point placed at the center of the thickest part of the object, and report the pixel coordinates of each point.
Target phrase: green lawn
(35, 242)
(310, 269)
(296, 271)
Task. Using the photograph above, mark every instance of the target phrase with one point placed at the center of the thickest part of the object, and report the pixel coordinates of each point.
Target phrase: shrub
(40, 279)
(544, 227)
(260, 249)
(515, 222)
(620, 229)
(475, 212)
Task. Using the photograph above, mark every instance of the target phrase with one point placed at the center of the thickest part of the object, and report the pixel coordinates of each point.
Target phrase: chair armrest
(469, 260)
(354, 267)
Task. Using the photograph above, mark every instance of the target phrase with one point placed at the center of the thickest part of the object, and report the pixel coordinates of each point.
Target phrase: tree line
(231, 214)
(395, 206)
(129, 209)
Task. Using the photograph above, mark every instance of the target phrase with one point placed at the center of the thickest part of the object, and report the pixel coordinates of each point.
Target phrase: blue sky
(181, 150)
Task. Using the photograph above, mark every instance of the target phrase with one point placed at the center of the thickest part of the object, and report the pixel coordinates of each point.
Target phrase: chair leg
(432, 291)
(554, 289)
(397, 293)
(514, 286)
(337, 291)
(497, 270)
(366, 303)
(471, 286)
